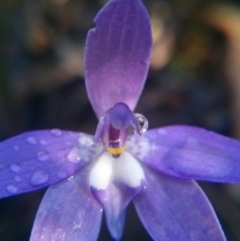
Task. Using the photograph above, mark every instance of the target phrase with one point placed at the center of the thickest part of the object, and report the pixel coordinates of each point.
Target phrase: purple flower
(154, 169)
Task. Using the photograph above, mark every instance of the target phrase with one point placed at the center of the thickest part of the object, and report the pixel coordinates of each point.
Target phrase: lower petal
(68, 212)
(115, 199)
(174, 209)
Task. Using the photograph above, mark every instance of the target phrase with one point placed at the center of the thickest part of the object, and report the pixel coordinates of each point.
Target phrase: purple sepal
(68, 212)
(117, 55)
(189, 152)
(115, 199)
(40, 158)
(175, 209)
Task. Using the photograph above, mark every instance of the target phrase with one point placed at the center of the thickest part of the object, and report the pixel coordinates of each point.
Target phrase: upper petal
(189, 152)
(117, 54)
(36, 159)
(174, 209)
(68, 212)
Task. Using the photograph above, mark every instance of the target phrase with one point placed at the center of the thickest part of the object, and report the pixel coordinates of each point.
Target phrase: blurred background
(194, 79)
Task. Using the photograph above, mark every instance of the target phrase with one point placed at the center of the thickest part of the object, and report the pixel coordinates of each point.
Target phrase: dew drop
(56, 132)
(15, 168)
(31, 140)
(73, 156)
(39, 178)
(68, 143)
(70, 178)
(43, 142)
(17, 179)
(12, 189)
(16, 148)
(143, 123)
(85, 141)
(192, 142)
(62, 175)
(42, 155)
(92, 152)
(162, 131)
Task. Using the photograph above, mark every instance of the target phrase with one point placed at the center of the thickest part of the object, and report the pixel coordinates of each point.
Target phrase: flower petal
(189, 152)
(36, 159)
(176, 209)
(115, 199)
(117, 55)
(114, 184)
(68, 212)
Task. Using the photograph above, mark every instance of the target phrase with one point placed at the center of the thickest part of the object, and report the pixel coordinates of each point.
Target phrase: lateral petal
(40, 158)
(175, 209)
(189, 152)
(68, 212)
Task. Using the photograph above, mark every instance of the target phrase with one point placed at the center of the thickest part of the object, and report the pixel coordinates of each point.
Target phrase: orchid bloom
(103, 174)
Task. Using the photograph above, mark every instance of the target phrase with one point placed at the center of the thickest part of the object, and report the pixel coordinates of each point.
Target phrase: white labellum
(125, 169)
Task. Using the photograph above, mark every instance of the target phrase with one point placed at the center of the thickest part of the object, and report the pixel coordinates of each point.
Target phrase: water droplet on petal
(42, 155)
(70, 178)
(192, 142)
(15, 168)
(56, 132)
(162, 131)
(85, 141)
(17, 179)
(43, 142)
(16, 148)
(31, 140)
(12, 189)
(73, 156)
(39, 178)
(92, 151)
(68, 143)
(143, 123)
(62, 175)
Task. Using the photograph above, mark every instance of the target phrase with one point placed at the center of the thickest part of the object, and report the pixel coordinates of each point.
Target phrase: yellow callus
(116, 151)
